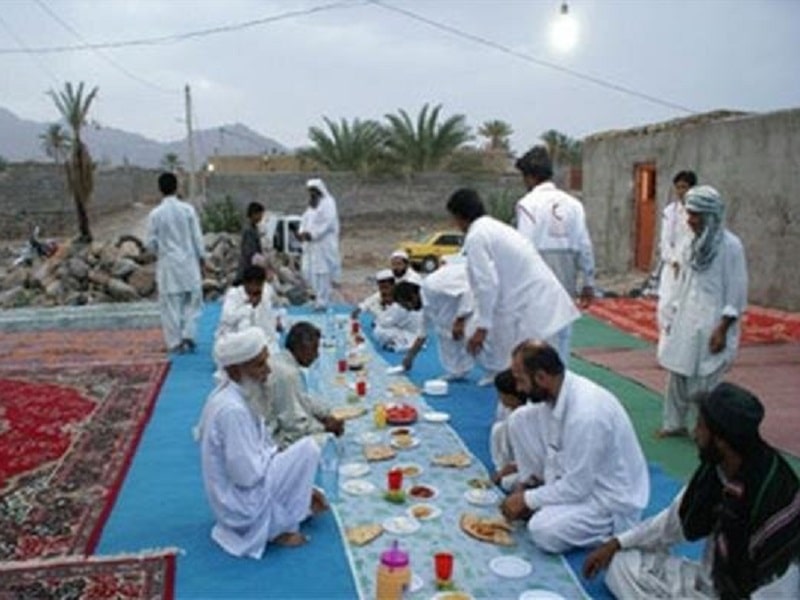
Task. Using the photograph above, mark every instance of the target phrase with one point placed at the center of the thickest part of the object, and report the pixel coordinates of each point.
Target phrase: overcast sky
(363, 60)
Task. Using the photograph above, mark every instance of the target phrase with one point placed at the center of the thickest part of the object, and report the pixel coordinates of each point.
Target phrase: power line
(39, 63)
(179, 37)
(532, 59)
(99, 53)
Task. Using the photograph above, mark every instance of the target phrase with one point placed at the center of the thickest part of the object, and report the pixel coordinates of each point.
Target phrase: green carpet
(589, 332)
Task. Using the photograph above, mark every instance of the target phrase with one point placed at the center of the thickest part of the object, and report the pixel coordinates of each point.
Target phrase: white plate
(420, 498)
(354, 469)
(369, 437)
(395, 444)
(358, 487)
(404, 466)
(540, 595)
(481, 497)
(435, 512)
(510, 566)
(448, 595)
(395, 370)
(401, 525)
(436, 417)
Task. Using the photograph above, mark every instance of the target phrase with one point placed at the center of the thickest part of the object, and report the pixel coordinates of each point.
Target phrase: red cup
(355, 327)
(361, 387)
(443, 563)
(394, 479)
(342, 365)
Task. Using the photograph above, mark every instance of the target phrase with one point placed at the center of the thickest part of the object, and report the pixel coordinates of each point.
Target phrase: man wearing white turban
(258, 495)
(701, 326)
(319, 231)
(401, 268)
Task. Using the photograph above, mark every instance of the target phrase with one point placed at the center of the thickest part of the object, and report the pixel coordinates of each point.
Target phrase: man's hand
(458, 328)
(586, 297)
(333, 425)
(355, 313)
(514, 507)
(475, 343)
(408, 362)
(600, 558)
(719, 336)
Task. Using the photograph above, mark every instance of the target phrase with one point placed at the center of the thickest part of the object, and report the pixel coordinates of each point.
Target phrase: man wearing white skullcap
(376, 304)
(701, 326)
(401, 267)
(319, 232)
(258, 495)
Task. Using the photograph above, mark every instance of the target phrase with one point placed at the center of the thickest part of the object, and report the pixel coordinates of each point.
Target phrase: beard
(253, 392)
(537, 395)
(710, 453)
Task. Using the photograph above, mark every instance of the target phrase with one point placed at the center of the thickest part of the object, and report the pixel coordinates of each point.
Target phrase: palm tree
(171, 162)
(497, 132)
(426, 145)
(356, 147)
(74, 108)
(55, 142)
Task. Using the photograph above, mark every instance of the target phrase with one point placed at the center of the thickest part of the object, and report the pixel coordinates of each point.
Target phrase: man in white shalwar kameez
(250, 305)
(743, 499)
(378, 302)
(397, 328)
(293, 412)
(517, 297)
(258, 495)
(582, 473)
(701, 334)
(674, 242)
(174, 236)
(401, 268)
(319, 229)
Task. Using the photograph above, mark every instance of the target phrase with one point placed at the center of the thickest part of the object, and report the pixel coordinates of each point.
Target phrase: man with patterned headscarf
(701, 327)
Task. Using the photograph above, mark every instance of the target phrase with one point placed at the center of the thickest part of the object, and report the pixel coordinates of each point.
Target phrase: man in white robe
(378, 302)
(258, 495)
(674, 242)
(250, 305)
(293, 412)
(517, 297)
(401, 268)
(397, 328)
(319, 229)
(174, 236)
(582, 473)
(743, 499)
(701, 334)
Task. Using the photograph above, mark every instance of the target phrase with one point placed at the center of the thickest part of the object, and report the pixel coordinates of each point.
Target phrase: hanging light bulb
(564, 31)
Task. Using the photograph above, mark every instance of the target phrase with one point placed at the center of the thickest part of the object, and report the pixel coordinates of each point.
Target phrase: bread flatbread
(360, 535)
(348, 412)
(494, 531)
(379, 452)
(457, 460)
(402, 388)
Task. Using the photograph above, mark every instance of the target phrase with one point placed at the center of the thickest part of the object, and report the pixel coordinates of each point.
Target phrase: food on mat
(361, 535)
(458, 460)
(495, 530)
(379, 452)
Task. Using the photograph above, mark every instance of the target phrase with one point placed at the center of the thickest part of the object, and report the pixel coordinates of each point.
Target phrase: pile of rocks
(123, 271)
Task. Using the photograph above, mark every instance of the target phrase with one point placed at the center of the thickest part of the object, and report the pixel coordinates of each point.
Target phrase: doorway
(644, 206)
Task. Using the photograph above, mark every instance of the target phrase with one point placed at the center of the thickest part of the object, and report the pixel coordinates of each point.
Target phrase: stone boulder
(121, 291)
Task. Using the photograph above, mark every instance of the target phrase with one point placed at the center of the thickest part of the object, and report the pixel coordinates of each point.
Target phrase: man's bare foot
(290, 539)
(319, 503)
(667, 433)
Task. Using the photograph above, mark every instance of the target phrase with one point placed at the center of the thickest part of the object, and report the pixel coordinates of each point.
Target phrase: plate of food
(404, 442)
(410, 469)
(452, 595)
(354, 469)
(481, 497)
(436, 416)
(454, 460)
(401, 525)
(361, 535)
(401, 431)
(423, 512)
(480, 484)
(495, 530)
(358, 487)
(369, 438)
(401, 414)
(378, 452)
(422, 492)
(511, 567)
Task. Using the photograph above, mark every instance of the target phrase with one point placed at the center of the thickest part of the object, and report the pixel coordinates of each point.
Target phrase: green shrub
(221, 216)
(500, 204)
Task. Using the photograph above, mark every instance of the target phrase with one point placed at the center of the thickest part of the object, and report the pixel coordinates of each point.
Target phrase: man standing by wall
(701, 334)
(319, 229)
(174, 236)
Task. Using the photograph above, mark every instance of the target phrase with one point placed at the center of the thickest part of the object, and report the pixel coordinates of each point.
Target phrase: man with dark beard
(584, 473)
(743, 498)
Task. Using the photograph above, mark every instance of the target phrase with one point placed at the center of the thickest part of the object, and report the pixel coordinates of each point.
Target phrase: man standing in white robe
(517, 297)
(674, 243)
(582, 473)
(258, 495)
(701, 334)
(319, 229)
(174, 236)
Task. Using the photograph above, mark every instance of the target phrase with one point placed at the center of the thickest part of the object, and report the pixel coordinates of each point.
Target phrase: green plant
(3, 164)
(221, 216)
(355, 146)
(501, 204)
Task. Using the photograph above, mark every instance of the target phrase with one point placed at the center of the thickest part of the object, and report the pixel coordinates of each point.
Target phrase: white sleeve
(246, 456)
(525, 221)
(735, 279)
(484, 280)
(584, 247)
(659, 531)
(152, 234)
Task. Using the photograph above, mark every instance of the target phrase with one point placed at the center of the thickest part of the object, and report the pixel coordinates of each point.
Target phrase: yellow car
(427, 254)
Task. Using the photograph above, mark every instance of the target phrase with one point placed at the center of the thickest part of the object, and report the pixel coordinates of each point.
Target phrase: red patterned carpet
(637, 316)
(150, 577)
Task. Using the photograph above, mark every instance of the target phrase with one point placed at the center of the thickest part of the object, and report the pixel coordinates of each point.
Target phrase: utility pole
(190, 140)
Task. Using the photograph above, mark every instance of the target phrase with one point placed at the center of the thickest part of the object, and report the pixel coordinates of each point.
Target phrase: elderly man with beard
(582, 472)
(701, 329)
(744, 499)
(319, 232)
(258, 495)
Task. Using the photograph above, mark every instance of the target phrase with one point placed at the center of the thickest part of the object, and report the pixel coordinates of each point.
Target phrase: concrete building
(752, 159)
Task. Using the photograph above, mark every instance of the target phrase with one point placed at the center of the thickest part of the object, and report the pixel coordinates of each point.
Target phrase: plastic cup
(355, 327)
(361, 387)
(341, 365)
(443, 564)
(394, 480)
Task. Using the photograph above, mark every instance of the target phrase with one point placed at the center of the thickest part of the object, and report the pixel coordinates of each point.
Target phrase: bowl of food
(435, 387)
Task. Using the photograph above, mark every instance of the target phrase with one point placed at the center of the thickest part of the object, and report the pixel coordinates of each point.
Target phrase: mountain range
(20, 141)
